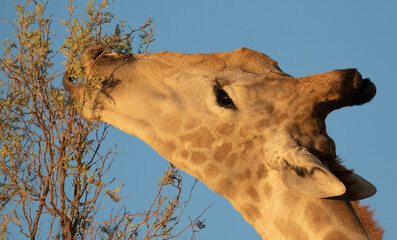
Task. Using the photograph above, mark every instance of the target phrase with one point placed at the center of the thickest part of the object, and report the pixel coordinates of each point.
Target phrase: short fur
(259, 140)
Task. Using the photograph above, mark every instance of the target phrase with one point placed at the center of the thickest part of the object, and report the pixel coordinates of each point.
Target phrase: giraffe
(249, 131)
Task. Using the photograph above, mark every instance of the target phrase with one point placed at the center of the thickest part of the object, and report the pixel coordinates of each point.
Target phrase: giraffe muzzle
(339, 88)
(356, 90)
(365, 93)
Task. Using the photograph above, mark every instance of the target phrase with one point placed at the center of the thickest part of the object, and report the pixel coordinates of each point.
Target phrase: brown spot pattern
(226, 188)
(252, 193)
(225, 129)
(294, 128)
(231, 160)
(244, 131)
(190, 125)
(198, 157)
(211, 170)
(291, 230)
(221, 152)
(170, 147)
(336, 235)
(269, 108)
(202, 138)
(261, 171)
(250, 212)
(184, 154)
(316, 217)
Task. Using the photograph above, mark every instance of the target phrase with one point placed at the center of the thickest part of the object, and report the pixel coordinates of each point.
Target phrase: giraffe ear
(305, 174)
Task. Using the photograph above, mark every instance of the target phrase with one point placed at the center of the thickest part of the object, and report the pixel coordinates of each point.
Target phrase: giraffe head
(234, 120)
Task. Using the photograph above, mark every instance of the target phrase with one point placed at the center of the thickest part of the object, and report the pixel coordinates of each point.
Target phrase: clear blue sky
(305, 37)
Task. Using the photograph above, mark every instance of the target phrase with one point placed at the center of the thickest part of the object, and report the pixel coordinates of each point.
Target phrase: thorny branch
(53, 169)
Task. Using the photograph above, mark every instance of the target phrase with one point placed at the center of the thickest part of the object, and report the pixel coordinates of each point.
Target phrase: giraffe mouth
(345, 88)
(357, 89)
(366, 90)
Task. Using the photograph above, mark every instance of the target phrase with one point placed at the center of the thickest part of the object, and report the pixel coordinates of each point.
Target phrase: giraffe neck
(257, 192)
(281, 214)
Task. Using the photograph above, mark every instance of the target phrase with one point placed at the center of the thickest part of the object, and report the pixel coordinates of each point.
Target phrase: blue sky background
(305, 37)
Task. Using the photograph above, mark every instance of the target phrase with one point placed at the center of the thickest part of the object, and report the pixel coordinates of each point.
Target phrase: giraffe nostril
(357, 79)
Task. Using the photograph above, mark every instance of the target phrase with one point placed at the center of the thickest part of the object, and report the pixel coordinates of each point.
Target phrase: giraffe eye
(223, 99)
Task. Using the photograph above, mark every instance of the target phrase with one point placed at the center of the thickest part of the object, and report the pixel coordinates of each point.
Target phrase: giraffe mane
(367, 218)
